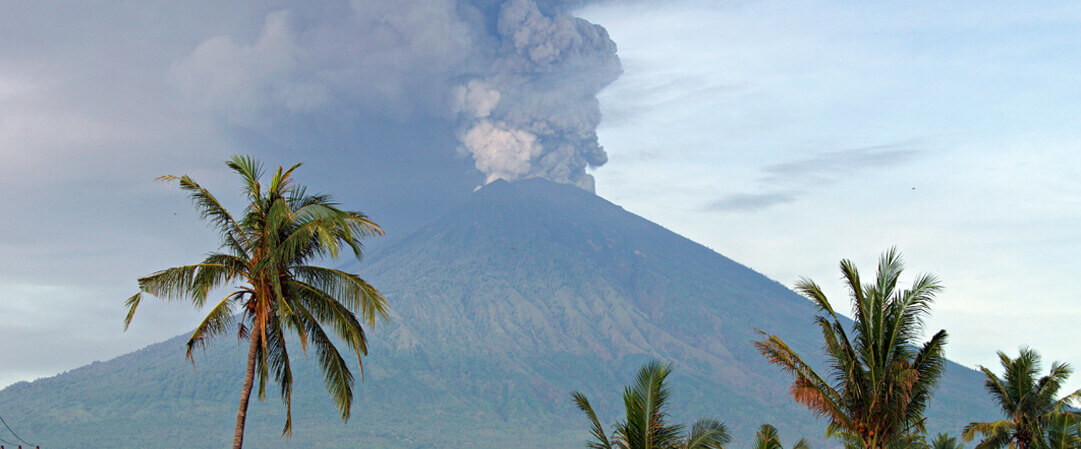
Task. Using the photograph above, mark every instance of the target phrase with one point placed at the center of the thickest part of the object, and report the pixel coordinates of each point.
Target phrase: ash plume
(518, 78)
(534, 113)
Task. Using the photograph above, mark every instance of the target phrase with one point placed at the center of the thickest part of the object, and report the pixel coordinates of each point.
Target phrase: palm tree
(880, 380)
(645, 425)
(1064, 431)
(267, 255)
(768, 438)
(1029, 403)
(944, 441)
(851, 440)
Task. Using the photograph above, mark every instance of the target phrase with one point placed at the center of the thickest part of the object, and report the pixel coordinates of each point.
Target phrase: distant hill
(504, 305)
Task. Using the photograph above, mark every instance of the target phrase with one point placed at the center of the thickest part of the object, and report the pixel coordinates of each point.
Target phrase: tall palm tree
(646, 423)
(1029, 403)
(767, 437)
(880, 380)
(266, 257)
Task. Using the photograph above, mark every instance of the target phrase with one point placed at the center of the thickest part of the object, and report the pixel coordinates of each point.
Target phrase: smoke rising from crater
(96, 100)
(534, 113)
(518, 78)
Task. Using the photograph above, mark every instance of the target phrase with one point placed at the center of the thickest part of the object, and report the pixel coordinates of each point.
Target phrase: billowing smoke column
(535, 112)
(519, 78)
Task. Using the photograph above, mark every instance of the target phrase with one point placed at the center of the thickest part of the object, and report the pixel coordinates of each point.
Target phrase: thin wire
(13, 433)
(6, 442)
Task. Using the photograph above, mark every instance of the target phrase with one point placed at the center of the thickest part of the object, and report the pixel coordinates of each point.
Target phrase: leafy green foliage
(1063, 431)
(1035, 418)
(767, 437)
(880, 380)
(945, 441)
(645, 425)
(268, 253)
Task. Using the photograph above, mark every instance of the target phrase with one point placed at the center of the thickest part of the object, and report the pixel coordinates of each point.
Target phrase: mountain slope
(504, 305)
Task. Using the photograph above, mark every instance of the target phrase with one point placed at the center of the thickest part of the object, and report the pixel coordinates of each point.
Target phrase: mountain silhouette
(501, 307)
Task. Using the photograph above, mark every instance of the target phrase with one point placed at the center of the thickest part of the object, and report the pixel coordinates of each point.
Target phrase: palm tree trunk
(249, 379)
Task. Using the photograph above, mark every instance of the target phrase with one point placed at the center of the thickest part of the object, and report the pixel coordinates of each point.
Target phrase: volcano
(501, 307)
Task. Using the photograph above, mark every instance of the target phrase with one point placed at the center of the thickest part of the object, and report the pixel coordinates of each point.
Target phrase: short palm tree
(767, 437)
(267, 255)
(645, 425)
(880, 379)
(852, 440)
(1029, 403)
(945, 441)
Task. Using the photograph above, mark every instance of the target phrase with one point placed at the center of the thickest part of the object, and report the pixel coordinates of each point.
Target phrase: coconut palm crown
(768, 437)
(1035, 414)
(945, 441)
(266, 257)
(646, 423)
(880, 378)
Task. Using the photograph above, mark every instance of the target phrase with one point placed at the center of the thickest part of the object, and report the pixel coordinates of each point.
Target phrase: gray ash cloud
(518, 78)
(96, 100)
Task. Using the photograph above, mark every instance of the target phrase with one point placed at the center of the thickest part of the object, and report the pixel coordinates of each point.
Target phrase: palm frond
(767, 437)
(997, 434)
(890, 266)
(211, 209)
(1048, 386)
(600, 440)
(349, 289)
(216, 270)
(250, 172)
(645, 403)
(930, 364)
(809, 388)
(850, 440)
(179, 282)
(809, 289)
(215, 323)
(707, 434)
(336, 375)
(282, 180)
(945, 441)
(131, 303)
(326, 309)
(997, 389)
(278, 364)
(1064, 431)
(1068, 400)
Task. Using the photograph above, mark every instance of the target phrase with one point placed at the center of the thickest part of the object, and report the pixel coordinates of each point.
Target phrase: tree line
(878, 383)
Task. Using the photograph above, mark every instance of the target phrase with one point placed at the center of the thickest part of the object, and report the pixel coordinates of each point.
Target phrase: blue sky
(785, 135)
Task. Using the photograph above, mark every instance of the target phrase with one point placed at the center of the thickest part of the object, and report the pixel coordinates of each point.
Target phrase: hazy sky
(785, 135)
(791, 135)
